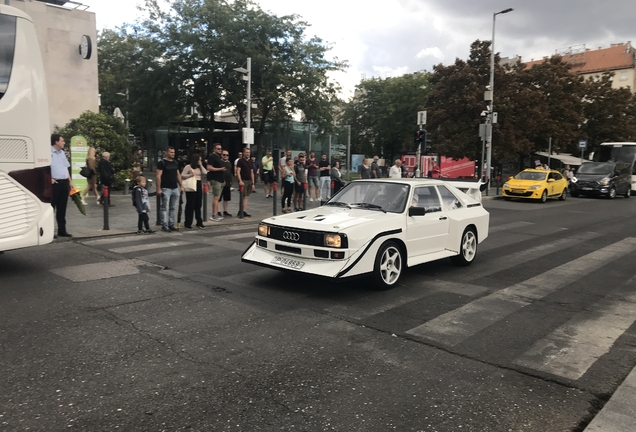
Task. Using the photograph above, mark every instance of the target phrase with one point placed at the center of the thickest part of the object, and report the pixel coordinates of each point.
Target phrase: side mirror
(417, 211)
(550, 180)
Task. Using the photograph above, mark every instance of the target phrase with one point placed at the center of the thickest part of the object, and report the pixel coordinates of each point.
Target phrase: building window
(623, 76)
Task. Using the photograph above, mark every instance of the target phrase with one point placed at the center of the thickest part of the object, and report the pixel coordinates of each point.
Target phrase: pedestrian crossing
(486, 304)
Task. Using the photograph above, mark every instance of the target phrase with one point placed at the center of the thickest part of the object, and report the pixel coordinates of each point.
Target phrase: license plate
(518, 190)
(586, 188)
(286, 262)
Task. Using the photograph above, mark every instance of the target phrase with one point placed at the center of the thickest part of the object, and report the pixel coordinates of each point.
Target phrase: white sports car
(376, 227)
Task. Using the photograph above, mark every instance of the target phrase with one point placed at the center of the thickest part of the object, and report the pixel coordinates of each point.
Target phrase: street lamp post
(125, 94)
(491, 107)
(248, 77)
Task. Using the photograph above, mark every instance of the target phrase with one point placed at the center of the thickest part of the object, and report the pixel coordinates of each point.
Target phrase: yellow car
(536, 184)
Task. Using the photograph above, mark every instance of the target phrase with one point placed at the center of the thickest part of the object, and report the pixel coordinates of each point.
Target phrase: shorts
(312, 181)
(267, 177)
(226, 193)
(216, 187)
(247, 190)
(299, 188)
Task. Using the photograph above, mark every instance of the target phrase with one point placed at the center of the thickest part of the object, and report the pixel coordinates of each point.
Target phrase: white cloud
(431, 52)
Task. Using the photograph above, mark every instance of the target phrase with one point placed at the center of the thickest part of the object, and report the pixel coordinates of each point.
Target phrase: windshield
(527, 175)
(616, 153)
(596, 168)
(373, 196)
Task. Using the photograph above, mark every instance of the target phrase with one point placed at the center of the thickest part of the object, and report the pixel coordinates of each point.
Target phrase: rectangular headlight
(333, 240)
(263, 230)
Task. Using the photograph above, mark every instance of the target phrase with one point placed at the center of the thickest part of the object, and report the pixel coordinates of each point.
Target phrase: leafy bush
(105, 133)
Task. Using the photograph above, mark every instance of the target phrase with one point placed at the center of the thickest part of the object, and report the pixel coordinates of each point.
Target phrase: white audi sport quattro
(377, 227)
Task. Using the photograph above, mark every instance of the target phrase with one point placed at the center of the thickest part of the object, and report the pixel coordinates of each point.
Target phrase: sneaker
(216, 218)
(212, 217)
(226, 214)
(172, 229)
(201, 227)
(149, 231)
(231, 189)
(311, 200)
(64, 234)
(165, 229)
(219, 214)
(140, 232)
(188, 228)
(246, 214)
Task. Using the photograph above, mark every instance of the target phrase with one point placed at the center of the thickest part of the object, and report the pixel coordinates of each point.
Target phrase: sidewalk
(122, 218)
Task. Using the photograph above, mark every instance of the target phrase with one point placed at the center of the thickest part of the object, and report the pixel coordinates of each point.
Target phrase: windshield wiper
(338, 204)
(369, 206)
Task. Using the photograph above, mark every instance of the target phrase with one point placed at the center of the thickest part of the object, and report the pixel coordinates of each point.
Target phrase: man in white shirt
(396, 172)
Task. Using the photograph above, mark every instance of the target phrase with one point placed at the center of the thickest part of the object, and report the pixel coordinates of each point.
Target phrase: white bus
(26, 215)
(621, 153)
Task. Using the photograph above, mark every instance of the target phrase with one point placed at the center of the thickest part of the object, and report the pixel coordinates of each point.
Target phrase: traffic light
(420, 137)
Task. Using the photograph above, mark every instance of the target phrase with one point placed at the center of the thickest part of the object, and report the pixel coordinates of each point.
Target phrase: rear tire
(564, 194)
(389, 264)
(467, 248)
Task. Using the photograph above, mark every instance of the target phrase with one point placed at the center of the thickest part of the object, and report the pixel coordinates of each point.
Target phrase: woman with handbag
(191, 177)
(91, 163)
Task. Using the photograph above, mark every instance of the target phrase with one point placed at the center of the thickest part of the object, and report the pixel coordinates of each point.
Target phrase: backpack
(134, 196)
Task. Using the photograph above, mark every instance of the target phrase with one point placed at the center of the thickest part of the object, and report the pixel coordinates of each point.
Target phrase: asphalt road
(172, 332)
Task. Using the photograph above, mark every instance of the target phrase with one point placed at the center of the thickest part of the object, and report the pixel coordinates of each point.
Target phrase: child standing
(142, 203)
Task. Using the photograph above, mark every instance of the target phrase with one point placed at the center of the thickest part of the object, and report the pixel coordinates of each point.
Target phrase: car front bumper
(522, 193)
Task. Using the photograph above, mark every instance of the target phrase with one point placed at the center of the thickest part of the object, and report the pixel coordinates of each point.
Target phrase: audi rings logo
(291, 236)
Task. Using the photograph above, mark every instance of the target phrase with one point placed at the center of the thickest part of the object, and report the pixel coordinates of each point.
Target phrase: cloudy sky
(402, 36)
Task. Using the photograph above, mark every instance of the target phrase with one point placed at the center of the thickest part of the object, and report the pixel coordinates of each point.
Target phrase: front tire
(574, 194)
(467, 248)
(612, 193)
(389, 264)
(544, 196)
(628, 193)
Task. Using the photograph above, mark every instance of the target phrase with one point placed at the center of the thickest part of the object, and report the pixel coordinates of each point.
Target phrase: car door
(428, 233)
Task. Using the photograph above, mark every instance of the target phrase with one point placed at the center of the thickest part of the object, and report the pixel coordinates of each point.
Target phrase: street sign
(583, 144)
(421, 118)
(494, 118)
(483, 130)
(248, 135)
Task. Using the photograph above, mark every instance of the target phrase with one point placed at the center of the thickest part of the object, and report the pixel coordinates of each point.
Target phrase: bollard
(126, 186)
(158, 209)
(241, 191)
(106, 204)
(274, 188)
(305, 196)
(204, 186)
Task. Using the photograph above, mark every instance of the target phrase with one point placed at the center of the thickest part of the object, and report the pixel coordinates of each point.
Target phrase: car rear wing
(470, 188)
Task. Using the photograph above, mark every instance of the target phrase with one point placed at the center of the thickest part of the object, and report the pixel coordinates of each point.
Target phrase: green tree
(105, 133)
(609, 112)
(383, 113)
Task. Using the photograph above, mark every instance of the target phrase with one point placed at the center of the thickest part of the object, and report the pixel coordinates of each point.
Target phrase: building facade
(67, 34)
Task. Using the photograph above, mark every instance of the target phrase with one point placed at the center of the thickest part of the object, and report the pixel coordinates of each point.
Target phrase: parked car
(375, 227)
(536, 184)
(602, 179)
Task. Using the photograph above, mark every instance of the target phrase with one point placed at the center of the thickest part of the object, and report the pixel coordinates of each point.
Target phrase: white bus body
(619, 152)
(26, 215)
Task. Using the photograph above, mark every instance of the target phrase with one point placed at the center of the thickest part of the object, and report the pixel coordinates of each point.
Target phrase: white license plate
(288, 262)
(586, 188)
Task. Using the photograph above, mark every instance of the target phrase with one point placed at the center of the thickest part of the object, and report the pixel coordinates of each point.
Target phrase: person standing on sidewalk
(226, 192)
(301, 178)
(267, 173)
(324, 167)
(106, 175)
(169, 188)
(375, 168)
(312, 176)
(216, 171)
(194, 198)
(142, 204)
(288, 179)
(61, 183)
(91, 181)
(245, 174)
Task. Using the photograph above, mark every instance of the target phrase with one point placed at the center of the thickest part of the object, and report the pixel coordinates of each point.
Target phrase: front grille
(519, 194)
(299, 236)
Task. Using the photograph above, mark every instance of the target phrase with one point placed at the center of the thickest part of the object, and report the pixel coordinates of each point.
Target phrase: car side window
(557, 176)
(448, 198)
(427, 198)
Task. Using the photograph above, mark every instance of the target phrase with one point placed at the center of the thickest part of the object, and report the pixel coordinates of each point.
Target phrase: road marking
(148, 246)
(111, 240)
(508, 226)
(523, 256)
(571, 349)
(251, 234)
(96, 271)
(458, 325)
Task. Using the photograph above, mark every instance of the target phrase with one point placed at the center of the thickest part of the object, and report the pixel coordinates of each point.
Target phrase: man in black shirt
(215, 175)
(245, 174)
(169, 188)
(324, 167)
